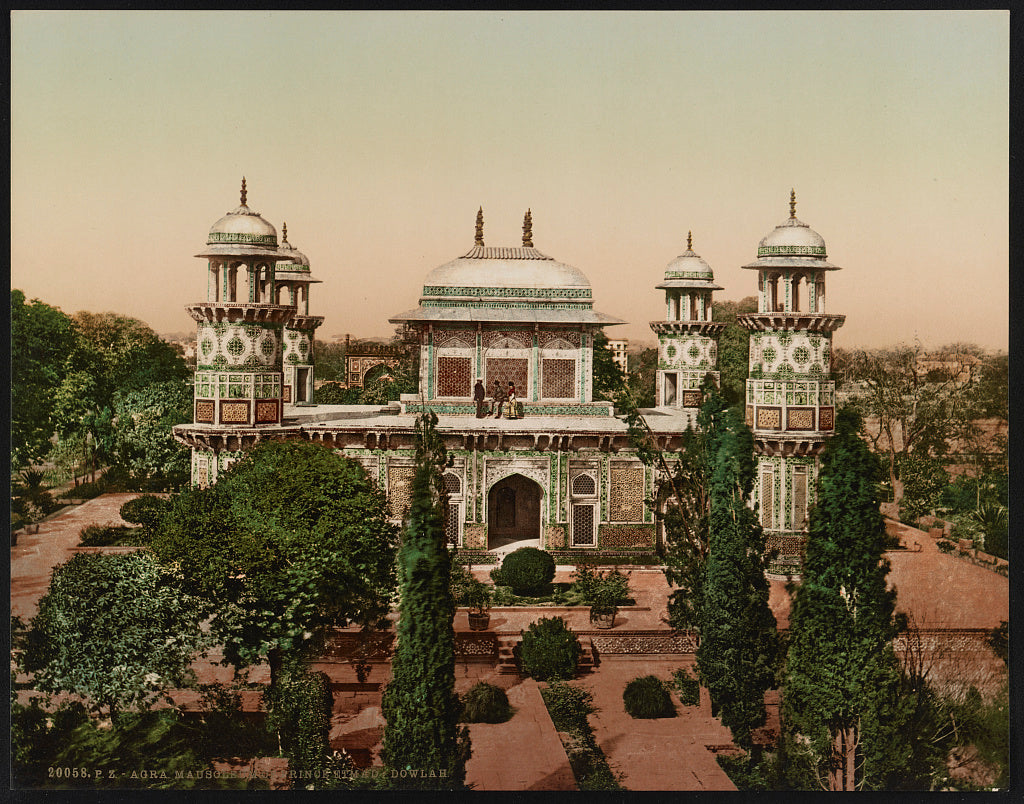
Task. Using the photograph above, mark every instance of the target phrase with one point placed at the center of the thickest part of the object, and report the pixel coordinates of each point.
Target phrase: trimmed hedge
(525, 570)
(146, 510)
(647, 698)
(549, 650)
(485, 703)
(113, 536)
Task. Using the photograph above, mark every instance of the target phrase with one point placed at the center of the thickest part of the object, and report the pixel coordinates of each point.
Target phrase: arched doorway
(513, 512)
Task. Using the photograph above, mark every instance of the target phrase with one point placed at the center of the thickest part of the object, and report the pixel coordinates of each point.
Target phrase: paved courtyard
(526, 753)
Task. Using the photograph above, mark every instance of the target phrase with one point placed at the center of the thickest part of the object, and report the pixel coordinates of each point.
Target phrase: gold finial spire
(689, 241)
(243, 191)
(284, 232)
(479, 227)
(792, 203)
(528, 230)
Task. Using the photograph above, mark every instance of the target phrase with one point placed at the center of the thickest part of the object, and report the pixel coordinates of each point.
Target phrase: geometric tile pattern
(583, 525)
(204, 411)
(266, 411)
(769, 419)
(400, 490)
(626, 537)
(234, 412)
(506, 370)
(454, 376)
(767, 499)
(826, 418)
(799, 496)
(626, 494)
(549, 340)
(799, 418)
(692, 399)
(559, 378)
(507, 340)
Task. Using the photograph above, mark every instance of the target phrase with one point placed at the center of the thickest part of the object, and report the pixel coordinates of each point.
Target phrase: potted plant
(606, 592)
(604, 607)
(478, 597)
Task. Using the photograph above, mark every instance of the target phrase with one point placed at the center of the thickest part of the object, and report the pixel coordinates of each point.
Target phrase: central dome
(490, 267)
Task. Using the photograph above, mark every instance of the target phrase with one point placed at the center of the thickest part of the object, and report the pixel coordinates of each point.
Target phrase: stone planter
(479, 621)
(602, 618)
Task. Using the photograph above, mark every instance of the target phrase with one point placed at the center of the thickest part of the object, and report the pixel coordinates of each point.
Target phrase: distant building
(618, 348)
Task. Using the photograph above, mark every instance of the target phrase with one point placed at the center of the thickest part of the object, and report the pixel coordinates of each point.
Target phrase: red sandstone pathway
(658, 754)
(35, 555)
(522, 754)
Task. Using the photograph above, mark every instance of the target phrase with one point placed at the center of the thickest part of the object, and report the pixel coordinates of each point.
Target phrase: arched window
(452, 483)
(583, 486)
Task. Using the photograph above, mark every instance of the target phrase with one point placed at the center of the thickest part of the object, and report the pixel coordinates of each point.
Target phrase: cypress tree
(423, 735)
(738, 651)
(840, 664)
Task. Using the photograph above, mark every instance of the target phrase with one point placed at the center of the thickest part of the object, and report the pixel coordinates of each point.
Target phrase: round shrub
(485, 703)
(146, 510)
(549, 650)
(646, 697)
(527, 570)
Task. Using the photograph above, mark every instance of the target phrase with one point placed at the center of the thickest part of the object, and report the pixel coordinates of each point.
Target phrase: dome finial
(479, 227)
(284, 232)
(528, 230)
(792, 203)
(689, 241)
(243, 191)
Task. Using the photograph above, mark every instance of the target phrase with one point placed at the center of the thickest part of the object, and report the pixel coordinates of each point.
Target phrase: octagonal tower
(790, 401)
(238, 381)
(687, 338)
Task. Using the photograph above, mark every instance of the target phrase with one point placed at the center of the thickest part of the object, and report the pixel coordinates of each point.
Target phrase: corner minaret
(293, 280)
(238, 381)
(790, 404)
(687, 338)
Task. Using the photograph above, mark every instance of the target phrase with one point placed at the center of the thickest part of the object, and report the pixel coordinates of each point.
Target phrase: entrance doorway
(513, 512)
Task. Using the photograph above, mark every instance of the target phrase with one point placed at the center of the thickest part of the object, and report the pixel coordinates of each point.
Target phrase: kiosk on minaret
(687, 338)
(293, 279)
(790, 404)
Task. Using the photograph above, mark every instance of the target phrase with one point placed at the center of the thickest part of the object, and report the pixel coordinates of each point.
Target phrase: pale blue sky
(377, 135)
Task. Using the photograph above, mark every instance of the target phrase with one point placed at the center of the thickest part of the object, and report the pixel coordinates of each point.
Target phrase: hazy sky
(376, 135)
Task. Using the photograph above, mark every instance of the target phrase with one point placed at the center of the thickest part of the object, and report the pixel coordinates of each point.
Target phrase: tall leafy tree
(143, 441)
(42, 337)
(129, 353)
(841, 669)
(293, 540)
(733, 346)
(917, 405)
(641, 378)
(608, 377)
(737, 657)
(420, 704)
(116, 629)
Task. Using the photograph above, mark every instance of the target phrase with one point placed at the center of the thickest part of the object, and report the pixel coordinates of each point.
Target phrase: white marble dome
(792, 237)
(689, 265)
(294, 260)
(497, 267)
(243, 227)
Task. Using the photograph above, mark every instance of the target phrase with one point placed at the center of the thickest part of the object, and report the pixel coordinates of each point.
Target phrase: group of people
(500, 396)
